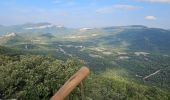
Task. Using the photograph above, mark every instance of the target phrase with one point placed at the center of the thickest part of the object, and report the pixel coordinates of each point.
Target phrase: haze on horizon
(87, 13)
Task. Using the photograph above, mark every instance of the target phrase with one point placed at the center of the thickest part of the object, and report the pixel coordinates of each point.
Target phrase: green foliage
(9, 51)
(103, 88)
(34, 77)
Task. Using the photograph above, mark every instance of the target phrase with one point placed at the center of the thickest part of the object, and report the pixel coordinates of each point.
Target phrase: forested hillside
(39, 77)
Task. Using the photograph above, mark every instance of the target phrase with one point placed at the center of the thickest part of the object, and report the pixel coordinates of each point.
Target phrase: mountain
(141, 38)
(34, 28)
(127, 38)
(107, 46)
(132, 38)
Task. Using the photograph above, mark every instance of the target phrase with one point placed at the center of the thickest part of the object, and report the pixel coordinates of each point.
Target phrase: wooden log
(74, 80)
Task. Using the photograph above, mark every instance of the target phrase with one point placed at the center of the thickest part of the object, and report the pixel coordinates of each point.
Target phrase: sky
(87, 13)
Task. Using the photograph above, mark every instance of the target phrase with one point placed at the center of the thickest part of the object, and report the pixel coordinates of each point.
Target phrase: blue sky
(87, 13)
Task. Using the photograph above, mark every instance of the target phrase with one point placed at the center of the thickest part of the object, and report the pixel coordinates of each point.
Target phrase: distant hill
(133, 37)
(140, 38)
(9, 51)
(34, 28)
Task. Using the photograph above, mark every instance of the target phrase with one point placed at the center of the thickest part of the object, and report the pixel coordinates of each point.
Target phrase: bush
(34, 77)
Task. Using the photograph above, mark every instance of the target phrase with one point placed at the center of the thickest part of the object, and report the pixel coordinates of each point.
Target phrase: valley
(127, 53)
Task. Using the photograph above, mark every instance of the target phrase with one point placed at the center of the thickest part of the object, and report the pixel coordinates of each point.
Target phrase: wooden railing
(69, 86)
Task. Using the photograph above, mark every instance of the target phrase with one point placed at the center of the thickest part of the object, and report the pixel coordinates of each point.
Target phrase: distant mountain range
(133, 37)
(30, 27)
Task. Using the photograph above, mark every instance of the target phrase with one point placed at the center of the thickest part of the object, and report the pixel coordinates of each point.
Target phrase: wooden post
(82, 91)
(74, 80)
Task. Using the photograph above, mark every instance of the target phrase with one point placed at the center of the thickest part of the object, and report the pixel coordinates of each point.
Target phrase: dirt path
(146, 77)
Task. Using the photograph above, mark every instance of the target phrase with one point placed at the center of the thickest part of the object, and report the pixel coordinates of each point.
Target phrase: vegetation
(102, 88)
(39, 77)
(34, 77)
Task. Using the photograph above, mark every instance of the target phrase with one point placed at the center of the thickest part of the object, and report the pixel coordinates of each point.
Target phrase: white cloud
(110, 9)
(150, 18)
(57, 1)
(156, 1)
(105, 10)
(124, 6)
